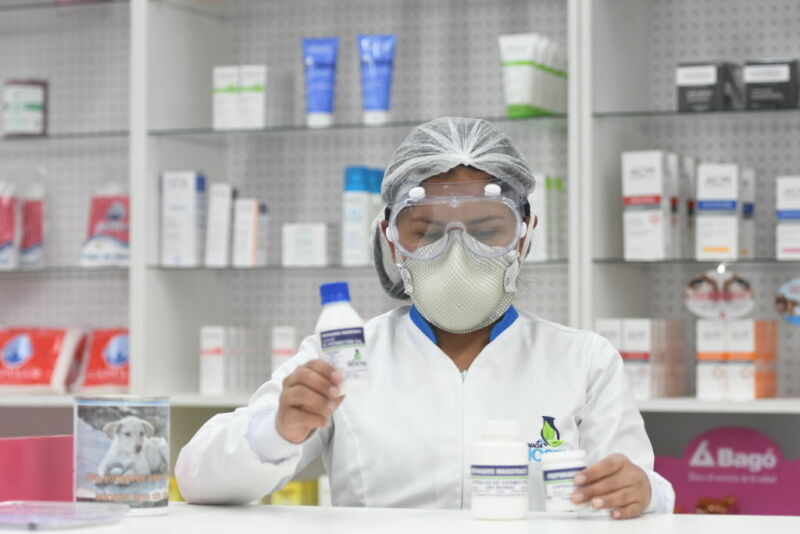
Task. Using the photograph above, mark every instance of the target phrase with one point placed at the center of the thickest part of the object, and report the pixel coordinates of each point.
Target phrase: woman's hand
(616, 484)
(310, 396)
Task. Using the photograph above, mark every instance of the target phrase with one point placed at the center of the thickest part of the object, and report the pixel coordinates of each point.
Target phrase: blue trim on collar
(505, 321)
(500, 326)
(423, 324)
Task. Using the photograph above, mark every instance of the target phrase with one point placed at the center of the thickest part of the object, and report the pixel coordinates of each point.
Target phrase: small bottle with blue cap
(340, 337)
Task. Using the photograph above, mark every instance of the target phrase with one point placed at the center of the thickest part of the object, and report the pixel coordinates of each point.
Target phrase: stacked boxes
(652, 352)
(736, 359)
(232, 359)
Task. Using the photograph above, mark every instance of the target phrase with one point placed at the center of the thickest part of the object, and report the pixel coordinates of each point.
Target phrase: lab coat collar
(506, 320)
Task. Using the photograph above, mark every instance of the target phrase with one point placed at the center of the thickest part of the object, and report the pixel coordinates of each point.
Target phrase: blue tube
(377, 58)
(319, 57)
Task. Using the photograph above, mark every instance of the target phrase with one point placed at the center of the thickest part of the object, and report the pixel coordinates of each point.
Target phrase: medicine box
(711, 367)
(718, 213)
(182, 219)
(219, 230)
(707, 86)
(771, 83)
(787, 231)
(250, 233)
(24, 105)
(646, 198)
(304, 245)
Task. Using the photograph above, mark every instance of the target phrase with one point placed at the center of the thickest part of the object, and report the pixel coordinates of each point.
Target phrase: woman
(455, 231)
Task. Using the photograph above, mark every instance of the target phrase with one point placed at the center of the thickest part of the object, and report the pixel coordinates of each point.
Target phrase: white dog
(134, 450)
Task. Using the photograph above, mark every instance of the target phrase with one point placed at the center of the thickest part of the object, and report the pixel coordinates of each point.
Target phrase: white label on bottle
(766, 73)
(559, 483)
(344, 349)
(698, 75)
(499, 480)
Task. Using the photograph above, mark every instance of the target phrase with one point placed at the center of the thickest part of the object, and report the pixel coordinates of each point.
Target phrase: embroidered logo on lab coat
(550, 440)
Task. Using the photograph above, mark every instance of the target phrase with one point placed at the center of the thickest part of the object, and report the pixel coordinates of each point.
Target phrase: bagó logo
(117, 351)
(17, 351)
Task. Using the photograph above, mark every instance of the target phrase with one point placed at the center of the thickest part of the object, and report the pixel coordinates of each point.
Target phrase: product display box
(771, 83)
(707, 86)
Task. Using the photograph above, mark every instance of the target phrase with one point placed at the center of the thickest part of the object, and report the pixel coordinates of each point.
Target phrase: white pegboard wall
(732, 30)
(447, 59)
(82, 51)
(86, 300)
(669, 282)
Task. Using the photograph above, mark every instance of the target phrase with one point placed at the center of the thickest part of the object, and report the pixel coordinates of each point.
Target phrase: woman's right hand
(310, 396)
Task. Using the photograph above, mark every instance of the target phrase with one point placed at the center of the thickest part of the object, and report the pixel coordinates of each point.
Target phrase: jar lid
(553, 457)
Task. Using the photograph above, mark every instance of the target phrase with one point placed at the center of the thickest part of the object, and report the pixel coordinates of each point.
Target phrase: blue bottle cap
(334, 292)
(356, 179)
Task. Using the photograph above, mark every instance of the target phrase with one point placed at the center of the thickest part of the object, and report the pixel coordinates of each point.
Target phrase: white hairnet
(434, 148)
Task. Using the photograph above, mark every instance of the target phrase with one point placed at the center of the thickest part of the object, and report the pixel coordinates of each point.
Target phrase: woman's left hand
(614, 483)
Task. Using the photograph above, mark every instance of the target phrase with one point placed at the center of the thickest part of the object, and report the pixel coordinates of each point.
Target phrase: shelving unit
(155, 115)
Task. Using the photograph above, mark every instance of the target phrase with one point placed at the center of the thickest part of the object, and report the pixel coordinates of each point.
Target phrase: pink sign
(734, 462)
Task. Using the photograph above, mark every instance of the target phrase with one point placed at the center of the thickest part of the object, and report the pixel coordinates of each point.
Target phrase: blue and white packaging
(377, 61)
(319, 59)
(10, 227)
(787, 231)
(375, 180)
(356, 216)
(183, 203)
(718, 212)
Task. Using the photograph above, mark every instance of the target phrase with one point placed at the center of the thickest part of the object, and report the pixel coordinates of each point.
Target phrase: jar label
(344, 349)
(500, 481)
(559, 484)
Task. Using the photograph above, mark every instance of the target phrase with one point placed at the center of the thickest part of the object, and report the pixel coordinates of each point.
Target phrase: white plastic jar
(558, 472)
(500, 472)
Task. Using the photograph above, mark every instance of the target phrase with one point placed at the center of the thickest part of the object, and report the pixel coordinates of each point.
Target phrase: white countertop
(190, 519)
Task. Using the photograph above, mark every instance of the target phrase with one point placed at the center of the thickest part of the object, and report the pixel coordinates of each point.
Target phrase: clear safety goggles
(422, 225)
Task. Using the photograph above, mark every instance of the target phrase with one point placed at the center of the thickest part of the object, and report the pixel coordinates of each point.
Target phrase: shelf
(280, 268)
(66, 269)
(200, 134)
(655, 114)
(754, 261)
(23, 5)
(691, 405)
(186, 400)
(65, 136)
(196, 400)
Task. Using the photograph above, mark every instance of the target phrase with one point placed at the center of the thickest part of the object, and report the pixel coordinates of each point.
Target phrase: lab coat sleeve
(611, 423)
(239, 457)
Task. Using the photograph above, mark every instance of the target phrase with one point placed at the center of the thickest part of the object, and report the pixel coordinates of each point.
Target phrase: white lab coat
(406, 441)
